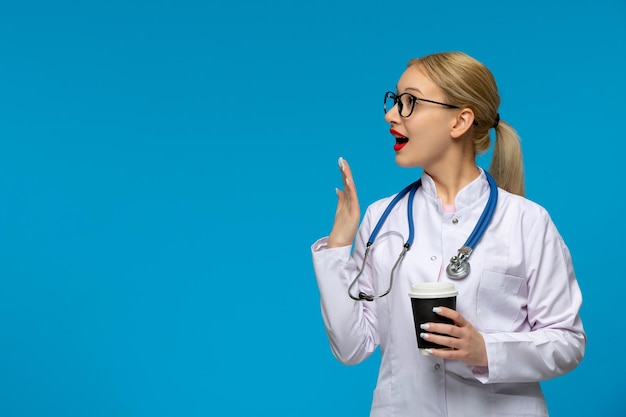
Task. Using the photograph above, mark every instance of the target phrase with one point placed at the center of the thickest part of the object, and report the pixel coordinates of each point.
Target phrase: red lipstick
(401, 140)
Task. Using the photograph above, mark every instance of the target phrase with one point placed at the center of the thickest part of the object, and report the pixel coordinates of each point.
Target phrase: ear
(463, 122)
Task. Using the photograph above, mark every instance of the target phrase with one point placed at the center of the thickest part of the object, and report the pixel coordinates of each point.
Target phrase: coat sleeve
(351, 325)
(556, 343)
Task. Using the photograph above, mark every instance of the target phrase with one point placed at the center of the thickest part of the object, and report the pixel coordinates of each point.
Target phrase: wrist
(334, 242)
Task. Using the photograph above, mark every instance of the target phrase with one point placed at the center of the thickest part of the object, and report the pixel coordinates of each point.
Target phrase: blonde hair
(467, 83)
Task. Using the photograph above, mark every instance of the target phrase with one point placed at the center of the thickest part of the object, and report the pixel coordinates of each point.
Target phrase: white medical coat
(521, 294)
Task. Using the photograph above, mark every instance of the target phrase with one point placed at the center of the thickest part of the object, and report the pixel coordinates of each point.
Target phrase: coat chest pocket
(501, 301)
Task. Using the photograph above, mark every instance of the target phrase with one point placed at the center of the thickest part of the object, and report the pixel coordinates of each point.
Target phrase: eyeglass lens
(405, 103)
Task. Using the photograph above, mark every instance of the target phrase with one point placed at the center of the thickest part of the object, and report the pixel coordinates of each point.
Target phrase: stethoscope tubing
(486, 216)
(459, 265)
(410, 189)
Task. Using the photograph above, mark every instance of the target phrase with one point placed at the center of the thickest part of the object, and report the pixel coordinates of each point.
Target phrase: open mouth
(401, 140)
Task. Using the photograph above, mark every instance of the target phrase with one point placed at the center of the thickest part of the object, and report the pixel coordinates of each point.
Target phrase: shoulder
(376, 209)
(519, 203)
(379, 206)
(527, 213)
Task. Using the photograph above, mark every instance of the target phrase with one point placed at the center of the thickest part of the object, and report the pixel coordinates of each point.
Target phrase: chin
(406, 163)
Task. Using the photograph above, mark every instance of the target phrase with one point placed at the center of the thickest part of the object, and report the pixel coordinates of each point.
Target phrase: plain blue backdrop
(166, 165)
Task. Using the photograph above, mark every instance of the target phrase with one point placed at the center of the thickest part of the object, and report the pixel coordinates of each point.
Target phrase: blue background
(166, 165)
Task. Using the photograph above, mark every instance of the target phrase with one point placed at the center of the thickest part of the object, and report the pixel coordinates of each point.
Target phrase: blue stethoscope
(459, 266)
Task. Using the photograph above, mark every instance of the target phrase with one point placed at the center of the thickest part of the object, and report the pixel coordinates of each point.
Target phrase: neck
(450, 181)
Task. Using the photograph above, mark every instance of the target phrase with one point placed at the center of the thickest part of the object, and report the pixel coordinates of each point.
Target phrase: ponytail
(507, 165)
(468, 83)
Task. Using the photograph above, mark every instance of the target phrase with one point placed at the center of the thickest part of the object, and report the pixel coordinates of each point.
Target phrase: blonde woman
(516, 320)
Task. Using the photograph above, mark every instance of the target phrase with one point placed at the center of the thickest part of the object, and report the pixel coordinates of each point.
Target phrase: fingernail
(347, 181)
(436, 310)
(336, 190)
(429, 351)
(424, 326)
(341, 163)
(424, 335)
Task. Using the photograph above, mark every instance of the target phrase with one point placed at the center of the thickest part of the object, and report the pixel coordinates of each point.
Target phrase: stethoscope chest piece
(459, 266)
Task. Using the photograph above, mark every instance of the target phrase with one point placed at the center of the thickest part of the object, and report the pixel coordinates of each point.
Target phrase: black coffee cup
(424, 297)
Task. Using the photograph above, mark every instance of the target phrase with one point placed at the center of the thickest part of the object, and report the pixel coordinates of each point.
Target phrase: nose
(393, 115)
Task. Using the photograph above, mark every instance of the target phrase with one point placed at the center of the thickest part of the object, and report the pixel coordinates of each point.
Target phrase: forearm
(531, 356)
(350, 324)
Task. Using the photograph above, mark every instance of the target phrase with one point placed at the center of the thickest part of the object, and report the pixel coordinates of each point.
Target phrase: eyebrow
(412, 89)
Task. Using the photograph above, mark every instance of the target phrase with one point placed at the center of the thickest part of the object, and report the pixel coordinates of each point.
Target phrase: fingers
(346, 176)
(443, 333)
(454, 330)
(348, 212)
(441, 338)
(445, 353)
(341, 196)
(466, 343)
(348, 198)
(453, 315)
(470, 350)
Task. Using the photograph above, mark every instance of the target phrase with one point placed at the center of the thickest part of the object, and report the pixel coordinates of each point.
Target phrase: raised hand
(348, 213)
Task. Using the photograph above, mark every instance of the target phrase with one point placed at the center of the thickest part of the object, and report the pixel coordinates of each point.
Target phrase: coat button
(433, 258)
(455, 220)
(437, 366)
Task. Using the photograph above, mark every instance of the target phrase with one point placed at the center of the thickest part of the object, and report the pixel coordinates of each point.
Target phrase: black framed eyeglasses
(406, 103)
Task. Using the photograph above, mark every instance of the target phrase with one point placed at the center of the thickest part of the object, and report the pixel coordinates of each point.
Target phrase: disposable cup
(424, 297)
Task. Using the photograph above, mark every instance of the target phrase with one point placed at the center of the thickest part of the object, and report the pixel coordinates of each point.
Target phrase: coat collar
(466, 197)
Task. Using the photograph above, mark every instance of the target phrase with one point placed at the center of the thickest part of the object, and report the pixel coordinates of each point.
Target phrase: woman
(517, 316)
